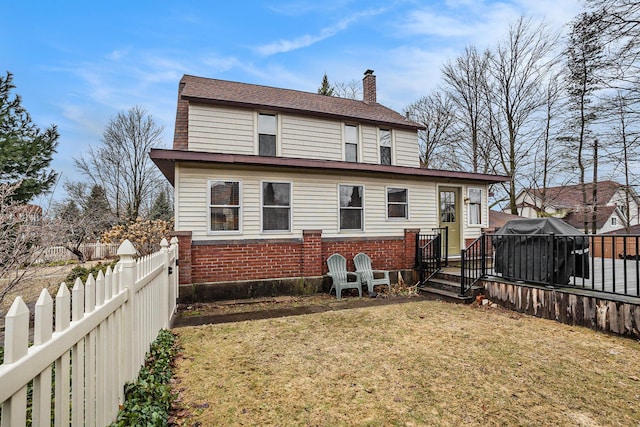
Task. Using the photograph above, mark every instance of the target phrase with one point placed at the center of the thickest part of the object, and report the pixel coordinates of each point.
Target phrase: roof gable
(570, 196)
(223, 92)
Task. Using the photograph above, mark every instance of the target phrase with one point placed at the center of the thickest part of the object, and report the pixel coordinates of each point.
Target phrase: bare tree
(435, 113)
(624, 148)
(350, 90)
(519, 70)
(82, 217)
(121, 165)
(584, 61)
(549, 157)
(465, 82)
(24, 236)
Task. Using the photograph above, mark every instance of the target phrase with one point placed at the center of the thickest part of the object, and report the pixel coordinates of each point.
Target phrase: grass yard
(423, 363)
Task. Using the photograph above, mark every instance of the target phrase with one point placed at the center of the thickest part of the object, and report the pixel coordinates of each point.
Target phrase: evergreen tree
(161, 208)
(25, 150)
(325, 87)
(98, 212)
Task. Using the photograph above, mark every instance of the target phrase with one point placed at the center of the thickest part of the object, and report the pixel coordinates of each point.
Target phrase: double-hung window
(351, 143)
(385, 146)
(267, 125)
(224, 205)
(397, 206)
(475, 206)
(351, 207)
(276, 206)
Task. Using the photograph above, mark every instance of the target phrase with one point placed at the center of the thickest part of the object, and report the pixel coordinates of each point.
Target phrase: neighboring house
(269, 182)
(497, 219)
(566, 202)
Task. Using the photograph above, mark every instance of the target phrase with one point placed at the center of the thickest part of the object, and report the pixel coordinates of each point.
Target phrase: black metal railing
(602, 263)
(444, 243)
(475, 262)
(428, 255)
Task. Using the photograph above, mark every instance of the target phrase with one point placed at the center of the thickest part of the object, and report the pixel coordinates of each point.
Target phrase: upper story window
(397, 206)
(351, 143)
(224, 206)
(276, 206)
(385, 146)
(267, 124)
(351, 207)
(614, 220)
(475, 206)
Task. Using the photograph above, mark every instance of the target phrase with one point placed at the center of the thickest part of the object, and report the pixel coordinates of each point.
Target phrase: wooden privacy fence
(103, 329)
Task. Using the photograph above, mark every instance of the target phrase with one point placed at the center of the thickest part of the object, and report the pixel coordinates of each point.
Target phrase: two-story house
(616, 206)
(269, 182)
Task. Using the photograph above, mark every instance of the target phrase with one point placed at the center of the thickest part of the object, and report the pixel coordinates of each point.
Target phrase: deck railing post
(483, 254)
(463, 271)
(551, 258)
(446, 246)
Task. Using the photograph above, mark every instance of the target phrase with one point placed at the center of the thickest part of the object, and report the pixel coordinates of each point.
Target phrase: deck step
(444, 284)
(445, 295)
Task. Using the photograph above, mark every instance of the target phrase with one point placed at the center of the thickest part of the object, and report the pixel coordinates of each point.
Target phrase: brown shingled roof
(576, 219)
(498, 218)
(570, 196)
(223, 92)
(165, 160)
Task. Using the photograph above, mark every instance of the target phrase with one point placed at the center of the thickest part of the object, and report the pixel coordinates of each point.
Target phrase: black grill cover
(523, 249)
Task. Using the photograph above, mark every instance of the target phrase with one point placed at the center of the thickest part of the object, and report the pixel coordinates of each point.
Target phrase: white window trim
(386, 204)
(359, 142)
(275, 181)
(393, 145)
(256, 132)
(354, 230)
(483, 203)
(240, 209)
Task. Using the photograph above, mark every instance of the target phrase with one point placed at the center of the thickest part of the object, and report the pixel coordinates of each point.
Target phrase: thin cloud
(282, 46)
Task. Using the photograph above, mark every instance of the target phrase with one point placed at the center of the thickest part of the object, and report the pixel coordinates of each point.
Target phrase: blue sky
(76, 64)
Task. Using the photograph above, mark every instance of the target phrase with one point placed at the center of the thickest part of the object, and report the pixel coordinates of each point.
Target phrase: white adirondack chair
(367, 274)
(338, 271)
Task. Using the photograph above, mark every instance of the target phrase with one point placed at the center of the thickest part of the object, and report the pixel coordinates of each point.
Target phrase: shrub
(145, 235)
(83, 272)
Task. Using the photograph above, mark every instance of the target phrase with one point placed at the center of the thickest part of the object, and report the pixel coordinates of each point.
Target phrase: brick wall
(235, 260)
(181, 133)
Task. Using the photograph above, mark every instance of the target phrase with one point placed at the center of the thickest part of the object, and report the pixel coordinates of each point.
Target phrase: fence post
(175, 248)
(16, 343)
(164, 249)
(551, 260)
(127, 279)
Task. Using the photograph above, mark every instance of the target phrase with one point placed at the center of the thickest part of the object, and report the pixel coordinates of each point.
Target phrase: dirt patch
(267, 308)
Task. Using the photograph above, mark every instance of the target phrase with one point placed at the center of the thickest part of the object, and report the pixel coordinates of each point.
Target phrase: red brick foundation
(235, 260)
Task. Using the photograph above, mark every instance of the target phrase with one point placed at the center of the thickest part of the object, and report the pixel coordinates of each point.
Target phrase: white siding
(221, 130)
(314, 202)
(406, 146)
(369, 142)
(311, 138)
(227, 130)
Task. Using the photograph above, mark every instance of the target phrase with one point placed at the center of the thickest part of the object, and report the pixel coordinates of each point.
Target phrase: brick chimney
(369, 87)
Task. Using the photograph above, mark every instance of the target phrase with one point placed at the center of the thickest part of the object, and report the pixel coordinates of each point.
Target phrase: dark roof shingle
(570, 196)
(245, 95)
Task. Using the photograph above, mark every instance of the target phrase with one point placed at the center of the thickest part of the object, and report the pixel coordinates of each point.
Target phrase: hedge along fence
(103, 329)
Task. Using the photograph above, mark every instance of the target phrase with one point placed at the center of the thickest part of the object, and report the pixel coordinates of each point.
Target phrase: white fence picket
(102, 331)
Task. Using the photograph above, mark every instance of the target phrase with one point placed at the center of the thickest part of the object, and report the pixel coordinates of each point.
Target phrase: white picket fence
(103, 329)
(91, 251)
